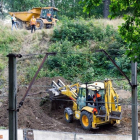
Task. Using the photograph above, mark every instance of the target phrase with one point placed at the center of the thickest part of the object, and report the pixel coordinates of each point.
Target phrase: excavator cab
(48, 14)
(81, 100)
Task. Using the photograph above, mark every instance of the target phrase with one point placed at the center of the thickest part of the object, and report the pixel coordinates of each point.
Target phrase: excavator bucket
(54, 90)
(56, 86)
(56, 95)
(60, 83)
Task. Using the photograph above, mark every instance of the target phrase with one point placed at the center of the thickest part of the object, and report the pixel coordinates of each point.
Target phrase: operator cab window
(44, 13)
(82, 92)
(81, 100)
(102, 93)
(55, 14)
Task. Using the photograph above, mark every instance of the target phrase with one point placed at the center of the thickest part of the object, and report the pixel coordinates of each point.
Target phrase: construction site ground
(33, 116)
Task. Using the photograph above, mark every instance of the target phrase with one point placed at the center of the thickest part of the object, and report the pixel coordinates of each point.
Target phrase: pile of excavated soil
(34, 116)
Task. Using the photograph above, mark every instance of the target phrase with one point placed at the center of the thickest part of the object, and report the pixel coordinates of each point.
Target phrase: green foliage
(2, 127)
(75, 32)
(69, 8)
(75, 59)
(32, 69)
(80, 32)
(123, 63)
(10, 42)
(71, 65)
(129, 30)
(88, 4)
(2, 65)
(83, 67)
(22, 5)
(5, 40)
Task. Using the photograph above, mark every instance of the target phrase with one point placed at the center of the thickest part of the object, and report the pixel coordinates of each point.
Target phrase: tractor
(92, 111)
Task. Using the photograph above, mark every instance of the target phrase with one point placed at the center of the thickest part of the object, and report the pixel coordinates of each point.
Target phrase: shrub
(75, 32)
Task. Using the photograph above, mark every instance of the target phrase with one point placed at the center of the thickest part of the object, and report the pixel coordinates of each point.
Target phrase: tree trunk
(106, 8)
(52, 3)
(1, 9)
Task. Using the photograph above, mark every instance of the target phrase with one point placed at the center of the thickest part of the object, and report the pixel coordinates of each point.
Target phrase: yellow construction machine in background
(46, 17)
(91, 113)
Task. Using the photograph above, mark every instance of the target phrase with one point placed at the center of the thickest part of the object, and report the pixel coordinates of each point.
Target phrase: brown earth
(34, 116)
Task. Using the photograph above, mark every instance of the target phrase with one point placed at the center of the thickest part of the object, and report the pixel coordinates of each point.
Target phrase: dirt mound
(31, 115)
(34, 116)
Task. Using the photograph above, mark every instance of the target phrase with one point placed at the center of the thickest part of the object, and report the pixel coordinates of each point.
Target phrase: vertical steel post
(86, 94)
(12, 98)
(134, 102)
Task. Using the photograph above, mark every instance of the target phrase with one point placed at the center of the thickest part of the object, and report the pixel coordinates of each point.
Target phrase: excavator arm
(113, 108)
(70, 91)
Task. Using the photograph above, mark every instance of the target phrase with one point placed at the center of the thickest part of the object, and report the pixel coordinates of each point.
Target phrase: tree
(23, 5)
(92, 4)
(52, 3)
(130, 29)
(106, 8)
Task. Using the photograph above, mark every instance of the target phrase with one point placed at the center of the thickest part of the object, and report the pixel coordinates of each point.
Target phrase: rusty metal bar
(116, 66)
(32, 81)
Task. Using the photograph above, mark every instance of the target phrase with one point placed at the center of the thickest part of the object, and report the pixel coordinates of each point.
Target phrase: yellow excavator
(92, 111)
(46, 17)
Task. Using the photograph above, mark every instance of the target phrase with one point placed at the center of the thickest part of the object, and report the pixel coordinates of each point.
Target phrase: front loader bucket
(60, 83)
(55, 85)
(54, 92)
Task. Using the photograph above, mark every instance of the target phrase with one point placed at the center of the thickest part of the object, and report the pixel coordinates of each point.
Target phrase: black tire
(112, 123)
(19, 24)
(86, 120)
(28, 28)
(48, 26)
(39, 24)
(68, 117)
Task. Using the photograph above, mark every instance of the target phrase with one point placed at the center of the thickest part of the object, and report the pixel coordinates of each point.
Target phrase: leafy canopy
(89, 4)
(130, 29)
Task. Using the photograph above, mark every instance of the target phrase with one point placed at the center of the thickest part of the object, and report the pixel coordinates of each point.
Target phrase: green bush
(75, 32)
(73, 37)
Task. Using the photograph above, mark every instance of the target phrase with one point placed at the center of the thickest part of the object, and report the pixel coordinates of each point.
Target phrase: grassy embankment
(79, 39)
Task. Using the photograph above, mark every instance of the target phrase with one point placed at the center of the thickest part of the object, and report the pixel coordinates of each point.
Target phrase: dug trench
(33, 116)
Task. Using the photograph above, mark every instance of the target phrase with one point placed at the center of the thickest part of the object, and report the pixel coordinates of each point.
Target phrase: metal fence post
(12, 97)
(134, 102)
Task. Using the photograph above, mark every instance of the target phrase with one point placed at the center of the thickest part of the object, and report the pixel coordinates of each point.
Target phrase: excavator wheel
(39, 24)
(86, 120)
(48, 26)
(19, 24)
(68, 115)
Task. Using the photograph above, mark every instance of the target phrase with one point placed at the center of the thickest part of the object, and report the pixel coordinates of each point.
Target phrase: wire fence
(33, 60)
(36, 106)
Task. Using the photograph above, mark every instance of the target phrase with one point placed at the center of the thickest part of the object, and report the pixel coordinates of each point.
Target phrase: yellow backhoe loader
(87, 107)
(46, 17)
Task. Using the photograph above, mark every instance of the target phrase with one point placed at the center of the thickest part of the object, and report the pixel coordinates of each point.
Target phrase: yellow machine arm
(111, 100)
(70, 91)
